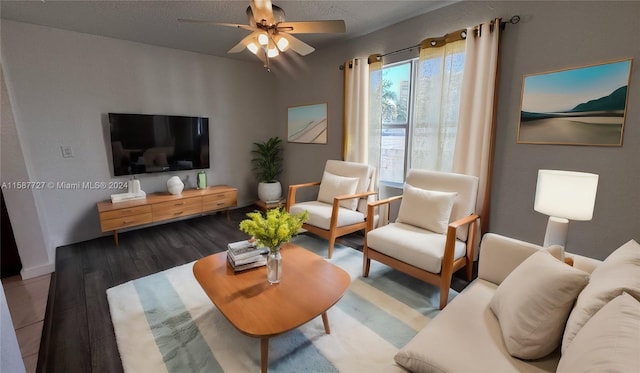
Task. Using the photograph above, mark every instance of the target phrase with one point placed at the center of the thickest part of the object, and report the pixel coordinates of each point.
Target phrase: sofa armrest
(583, 263)
(499, 255)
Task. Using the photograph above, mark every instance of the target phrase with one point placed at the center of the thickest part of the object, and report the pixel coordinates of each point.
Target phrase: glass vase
(274, 266)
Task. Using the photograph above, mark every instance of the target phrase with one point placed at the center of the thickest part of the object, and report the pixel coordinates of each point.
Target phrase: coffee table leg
(264, 354)
(325, 321)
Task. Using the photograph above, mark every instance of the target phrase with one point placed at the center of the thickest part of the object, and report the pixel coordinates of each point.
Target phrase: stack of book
(243, 255)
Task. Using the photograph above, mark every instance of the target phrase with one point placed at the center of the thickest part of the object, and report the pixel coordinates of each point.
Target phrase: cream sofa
(467, 337)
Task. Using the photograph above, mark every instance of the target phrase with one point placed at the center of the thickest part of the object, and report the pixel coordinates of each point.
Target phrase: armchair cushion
(416, 246)
(466, 186)
(608, 342)
(363, 172)
(619, 272)
(426, 209)
(532, 304)
(320, 214)
(333, 186)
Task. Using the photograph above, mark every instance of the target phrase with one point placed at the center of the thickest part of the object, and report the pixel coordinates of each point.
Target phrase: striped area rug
(165, 323)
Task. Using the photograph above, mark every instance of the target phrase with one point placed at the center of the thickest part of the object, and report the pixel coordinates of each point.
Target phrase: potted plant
(271, 230)
(267, 164)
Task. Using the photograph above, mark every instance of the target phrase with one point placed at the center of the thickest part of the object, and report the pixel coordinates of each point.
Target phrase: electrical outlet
(67, 151)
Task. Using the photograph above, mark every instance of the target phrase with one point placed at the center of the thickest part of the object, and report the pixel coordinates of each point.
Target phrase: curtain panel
(476, 129)
(356, 110)
(437, 103)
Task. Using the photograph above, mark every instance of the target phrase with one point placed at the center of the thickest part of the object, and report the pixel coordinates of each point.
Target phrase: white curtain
(476, 128)
(356, 110)
(437, 102)
(375, 112)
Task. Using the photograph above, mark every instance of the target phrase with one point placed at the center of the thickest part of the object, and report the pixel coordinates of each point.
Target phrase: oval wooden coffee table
(310, 285)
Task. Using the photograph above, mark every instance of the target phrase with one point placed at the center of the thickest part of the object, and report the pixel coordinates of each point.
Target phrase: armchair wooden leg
(445, 284)
(366, 264)
(469, 270)
(444, 295)
(332, 242)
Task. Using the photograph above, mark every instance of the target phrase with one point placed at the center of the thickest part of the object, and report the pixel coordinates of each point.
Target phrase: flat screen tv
(143, 143)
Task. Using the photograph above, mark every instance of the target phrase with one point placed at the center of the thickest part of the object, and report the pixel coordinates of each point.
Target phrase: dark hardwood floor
(78, 334)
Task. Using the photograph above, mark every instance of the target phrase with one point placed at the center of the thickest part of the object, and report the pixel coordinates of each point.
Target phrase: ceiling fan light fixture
(283, 43)
(272, 52)
(263, 39)
(252, 47)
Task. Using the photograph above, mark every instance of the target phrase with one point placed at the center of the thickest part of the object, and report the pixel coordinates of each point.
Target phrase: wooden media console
(159, 207)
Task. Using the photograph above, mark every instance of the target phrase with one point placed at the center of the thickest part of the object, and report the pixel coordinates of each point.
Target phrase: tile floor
(27, 302)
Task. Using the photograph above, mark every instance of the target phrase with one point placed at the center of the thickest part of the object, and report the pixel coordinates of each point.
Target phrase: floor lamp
(564, 196)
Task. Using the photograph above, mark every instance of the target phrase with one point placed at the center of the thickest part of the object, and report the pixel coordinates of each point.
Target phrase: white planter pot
(270, 192)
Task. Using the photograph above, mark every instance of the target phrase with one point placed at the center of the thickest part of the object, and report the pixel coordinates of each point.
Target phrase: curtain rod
(513, 20)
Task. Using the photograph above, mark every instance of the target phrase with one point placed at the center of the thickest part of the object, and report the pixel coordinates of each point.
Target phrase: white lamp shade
(252, 47)
(263, 39)
(566, 194)
(282, 43)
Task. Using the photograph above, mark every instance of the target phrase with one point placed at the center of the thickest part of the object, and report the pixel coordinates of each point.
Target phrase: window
(396, 91)
(420, 100)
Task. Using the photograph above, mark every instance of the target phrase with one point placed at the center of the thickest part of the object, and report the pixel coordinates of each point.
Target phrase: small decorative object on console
(175, 185)
(271, 230)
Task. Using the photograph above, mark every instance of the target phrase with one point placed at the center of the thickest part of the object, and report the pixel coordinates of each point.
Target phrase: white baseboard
(27, 273)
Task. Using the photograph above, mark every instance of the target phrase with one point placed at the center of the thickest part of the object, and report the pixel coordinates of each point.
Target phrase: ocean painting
(308, 124)
(579, 106)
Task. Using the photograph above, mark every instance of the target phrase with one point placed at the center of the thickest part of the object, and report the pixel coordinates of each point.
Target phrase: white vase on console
(175, 185)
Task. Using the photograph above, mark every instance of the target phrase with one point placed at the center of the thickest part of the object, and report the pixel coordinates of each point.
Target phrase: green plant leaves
(267, 161)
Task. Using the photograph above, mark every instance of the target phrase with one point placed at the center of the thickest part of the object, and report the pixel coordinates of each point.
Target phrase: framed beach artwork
(577, 106)
(307, 124)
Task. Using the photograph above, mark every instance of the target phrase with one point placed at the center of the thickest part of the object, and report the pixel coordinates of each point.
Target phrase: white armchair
(434, 234)
(341, 205)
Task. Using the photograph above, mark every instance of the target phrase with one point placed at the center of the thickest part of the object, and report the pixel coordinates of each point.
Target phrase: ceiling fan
(271, 34)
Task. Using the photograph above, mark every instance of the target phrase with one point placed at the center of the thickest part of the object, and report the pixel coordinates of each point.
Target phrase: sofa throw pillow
(608, 342)
(333, 186)
(426, 209)
(619, 272)
(533, 302)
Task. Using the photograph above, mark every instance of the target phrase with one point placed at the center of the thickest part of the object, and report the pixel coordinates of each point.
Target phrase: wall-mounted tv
(142, 143)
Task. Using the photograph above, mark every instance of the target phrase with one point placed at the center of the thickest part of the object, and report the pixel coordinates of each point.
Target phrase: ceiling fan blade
(243, 43)
(262, 10)
(235, 25)
(312, 27)
(298, 45)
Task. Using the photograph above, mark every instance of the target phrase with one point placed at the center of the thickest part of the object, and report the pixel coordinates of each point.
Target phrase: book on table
(244, 255)
(258, 262)
(244, 249)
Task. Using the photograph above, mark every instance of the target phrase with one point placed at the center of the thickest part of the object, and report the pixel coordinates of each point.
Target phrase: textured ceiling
(155, 22)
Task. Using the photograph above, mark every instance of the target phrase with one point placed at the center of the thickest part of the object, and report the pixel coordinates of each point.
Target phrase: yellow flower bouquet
(274, 228)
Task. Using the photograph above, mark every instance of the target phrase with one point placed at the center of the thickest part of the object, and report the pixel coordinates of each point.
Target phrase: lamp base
(556, 233)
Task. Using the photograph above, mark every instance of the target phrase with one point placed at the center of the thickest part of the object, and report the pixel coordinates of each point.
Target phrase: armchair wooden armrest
(463, 221)
(371, 207)
(449, 247)
(336, 204)
(356, 195)
(293, 189)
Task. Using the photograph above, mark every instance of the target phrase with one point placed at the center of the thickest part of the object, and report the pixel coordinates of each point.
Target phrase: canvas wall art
(577, 106)
(307, 124)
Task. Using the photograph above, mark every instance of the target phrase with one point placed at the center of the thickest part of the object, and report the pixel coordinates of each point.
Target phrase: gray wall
(551, 35)
(62, 84)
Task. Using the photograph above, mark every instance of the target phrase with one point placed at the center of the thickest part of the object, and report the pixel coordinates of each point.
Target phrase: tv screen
(142, 143)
